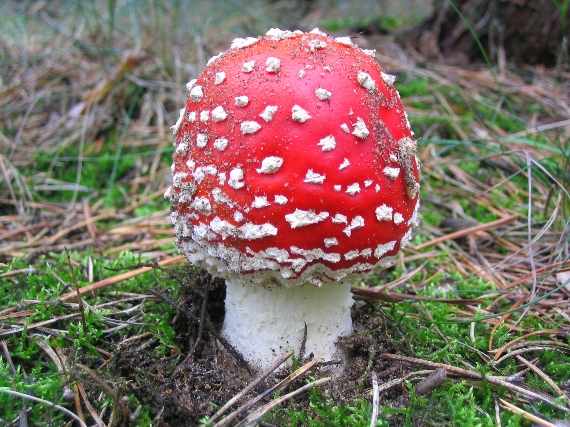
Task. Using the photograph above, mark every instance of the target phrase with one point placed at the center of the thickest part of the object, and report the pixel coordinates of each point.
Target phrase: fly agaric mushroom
(295, 174)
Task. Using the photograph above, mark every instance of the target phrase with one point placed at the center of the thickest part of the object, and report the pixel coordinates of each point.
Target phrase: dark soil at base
(184, 392)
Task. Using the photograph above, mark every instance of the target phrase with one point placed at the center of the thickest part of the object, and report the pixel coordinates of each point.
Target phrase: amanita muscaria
(295, 174)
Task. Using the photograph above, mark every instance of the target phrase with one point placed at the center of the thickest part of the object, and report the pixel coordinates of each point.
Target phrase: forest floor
(103, 322)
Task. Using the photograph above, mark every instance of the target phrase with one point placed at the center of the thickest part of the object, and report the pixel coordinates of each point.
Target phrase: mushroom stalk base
(264, 323)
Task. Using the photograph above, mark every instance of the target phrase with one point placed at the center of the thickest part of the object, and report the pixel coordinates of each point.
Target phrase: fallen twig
(249, 387)
(280, 386)
(379, 294)
(120, 277)
(254, 417)
(516, 410)
(459, 372)
(530, 334)
(375, 400)
(44, 402)
(468, 231)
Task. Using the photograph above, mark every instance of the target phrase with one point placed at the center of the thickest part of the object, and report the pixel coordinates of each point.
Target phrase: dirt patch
(186, 392)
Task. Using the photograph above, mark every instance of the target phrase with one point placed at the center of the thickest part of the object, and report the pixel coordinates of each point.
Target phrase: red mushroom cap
(294, 162)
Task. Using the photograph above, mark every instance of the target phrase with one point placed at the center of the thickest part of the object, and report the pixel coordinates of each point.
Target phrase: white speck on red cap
(299, 114)
(249, 127)
(242, 101)
(323, 94)
(168, 193)
(345, 128)
(332, 257)
(357, 222)
(191, 84)
(248, 66)
(370, 52)
(248, 231)
(236, 177)
(406, 239)
(352, 189)
(314, 178)
(177, 179)
(182, 149)
(221, 144)
(221, 197)
(388, 78)
(280, 199)
(241, 43)
(238, 216)
(366, 252)
(204, 116)
(222, 178)
(260, 202)
(368, 183)
(222, 227)
(202, 205)
(345, 163)
(414, 219)
(281, 255)
(360, 129)
(192, 116)
(276, 34)
(268, 113)
(273, 65)
(196, 93)
(220, 77)
(398, 218)
(218, 114)
(408, 122)
(316, 44)
(330, 241)
(176, 126)
(337, 187)
(340, 219)
(301, 218)
(317, 31)
(366, 81)
(384, 213)
(382, 249)
(214, 58)
(201, 140)
(351, 254)
(344, 40)
(391, 173)
(251, 231)
(200, 172)
(270, 165)
(328, 143)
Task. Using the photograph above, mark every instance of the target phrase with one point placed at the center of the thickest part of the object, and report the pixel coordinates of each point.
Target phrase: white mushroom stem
(264, 323)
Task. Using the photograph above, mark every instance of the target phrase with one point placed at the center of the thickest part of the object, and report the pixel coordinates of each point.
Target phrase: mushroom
(295, 175)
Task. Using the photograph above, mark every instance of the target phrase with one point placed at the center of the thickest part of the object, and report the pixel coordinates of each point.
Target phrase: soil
(183, 393)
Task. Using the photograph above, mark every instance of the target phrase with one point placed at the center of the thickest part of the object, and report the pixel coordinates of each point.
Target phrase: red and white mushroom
(295, 174)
